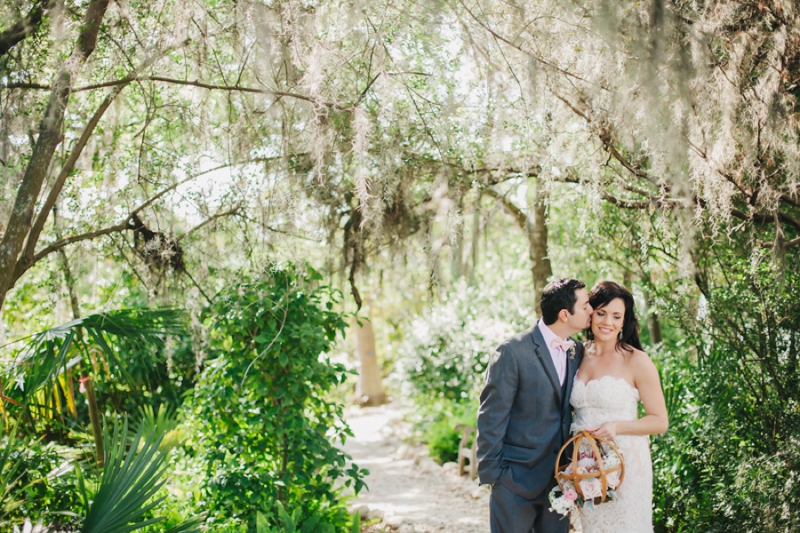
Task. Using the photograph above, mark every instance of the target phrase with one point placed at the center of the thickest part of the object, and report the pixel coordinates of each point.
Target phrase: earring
(620, 335)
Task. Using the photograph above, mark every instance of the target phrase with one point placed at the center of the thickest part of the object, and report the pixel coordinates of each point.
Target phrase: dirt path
(408, 491)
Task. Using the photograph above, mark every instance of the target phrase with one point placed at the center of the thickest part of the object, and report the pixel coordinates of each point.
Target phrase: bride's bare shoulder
(640, 361)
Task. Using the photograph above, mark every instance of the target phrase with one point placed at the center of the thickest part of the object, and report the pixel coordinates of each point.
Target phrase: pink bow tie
(564, 345)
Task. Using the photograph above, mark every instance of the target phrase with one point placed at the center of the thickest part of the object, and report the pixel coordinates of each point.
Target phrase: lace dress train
(604, 400)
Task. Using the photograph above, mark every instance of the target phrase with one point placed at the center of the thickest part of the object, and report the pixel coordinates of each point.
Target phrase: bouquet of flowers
(596, 471)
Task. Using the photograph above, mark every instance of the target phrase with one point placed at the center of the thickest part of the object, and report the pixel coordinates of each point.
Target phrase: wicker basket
(575, 477)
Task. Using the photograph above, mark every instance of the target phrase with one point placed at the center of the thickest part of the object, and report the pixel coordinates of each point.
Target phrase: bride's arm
(648, 382)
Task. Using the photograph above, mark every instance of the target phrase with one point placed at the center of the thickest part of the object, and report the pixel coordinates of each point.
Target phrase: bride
(613, 377)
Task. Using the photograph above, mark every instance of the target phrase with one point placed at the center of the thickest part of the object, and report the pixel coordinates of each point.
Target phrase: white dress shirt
(559, 355)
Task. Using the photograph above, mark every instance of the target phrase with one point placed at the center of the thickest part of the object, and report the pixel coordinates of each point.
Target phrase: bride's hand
(607, 430)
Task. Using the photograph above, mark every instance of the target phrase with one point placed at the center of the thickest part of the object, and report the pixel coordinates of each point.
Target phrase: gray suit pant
(511, 513)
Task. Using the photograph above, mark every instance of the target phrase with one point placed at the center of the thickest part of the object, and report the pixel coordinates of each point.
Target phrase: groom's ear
(564, 315)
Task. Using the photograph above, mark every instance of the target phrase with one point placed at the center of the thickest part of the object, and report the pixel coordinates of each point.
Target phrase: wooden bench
(467, 453)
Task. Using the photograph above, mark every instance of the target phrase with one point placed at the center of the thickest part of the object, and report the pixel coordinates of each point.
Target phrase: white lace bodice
(605, 399)
(609, 399)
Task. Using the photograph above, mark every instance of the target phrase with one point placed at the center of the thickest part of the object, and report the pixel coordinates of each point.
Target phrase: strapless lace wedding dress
(609, 399)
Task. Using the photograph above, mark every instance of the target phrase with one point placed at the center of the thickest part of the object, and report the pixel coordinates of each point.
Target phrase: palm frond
(10, 473)
(50, 353)
(163, 419)
(189, 526)
(131, 478)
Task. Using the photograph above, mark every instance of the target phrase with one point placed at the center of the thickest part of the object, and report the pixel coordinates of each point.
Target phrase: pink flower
(569, 469)
(612, 479)
(570, 495)
(591, 488)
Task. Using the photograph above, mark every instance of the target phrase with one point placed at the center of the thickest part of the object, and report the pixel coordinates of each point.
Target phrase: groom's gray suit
(523, 420)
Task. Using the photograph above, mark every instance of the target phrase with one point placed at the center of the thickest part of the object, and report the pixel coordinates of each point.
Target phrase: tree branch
(50, 136)
(58, 185)
(117, 228)
(23, 266)
(29, 24)
(26, 86)
(793, 242)
(177, 184)
(69, 165)
(196, 83)
(212, 87)
(77, 238)
(235, 211)
(517, 47)
(605, 137)
(519, 215)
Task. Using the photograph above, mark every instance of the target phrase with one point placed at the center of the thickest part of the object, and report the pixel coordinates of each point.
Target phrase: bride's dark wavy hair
(600, 296)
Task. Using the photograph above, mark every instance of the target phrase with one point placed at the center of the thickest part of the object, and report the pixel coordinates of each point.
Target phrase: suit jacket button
(555, 451)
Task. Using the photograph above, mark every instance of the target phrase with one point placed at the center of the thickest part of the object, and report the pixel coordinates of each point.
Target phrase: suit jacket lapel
(572, 369)
(543, 352)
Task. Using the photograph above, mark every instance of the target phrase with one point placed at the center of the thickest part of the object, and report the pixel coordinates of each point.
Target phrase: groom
(524, 416)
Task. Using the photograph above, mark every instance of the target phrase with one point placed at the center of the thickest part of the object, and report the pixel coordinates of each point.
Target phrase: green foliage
(36, 481)
(264, 420)
(729, 462)
(162, 420)
(130, 479)
(444, 356)
(11, 472)
(159, 374)
(118, 339)
(439, 427)
(446, 350)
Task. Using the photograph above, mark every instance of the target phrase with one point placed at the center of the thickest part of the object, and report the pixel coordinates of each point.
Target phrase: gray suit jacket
(524, 416)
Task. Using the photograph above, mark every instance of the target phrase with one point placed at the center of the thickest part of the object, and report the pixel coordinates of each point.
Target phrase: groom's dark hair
(558, 295)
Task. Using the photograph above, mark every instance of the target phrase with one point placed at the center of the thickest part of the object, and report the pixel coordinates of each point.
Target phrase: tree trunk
(369, 389)
(654, 328)
(653, 323)
(91, 399)
(49, 137)
(537, 239)
(535, 228)
(457, 264)
(476, 231)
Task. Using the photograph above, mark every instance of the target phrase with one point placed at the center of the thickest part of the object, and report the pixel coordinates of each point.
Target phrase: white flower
(28, 527)
(588, 463)
(612, 459)
(561, 505)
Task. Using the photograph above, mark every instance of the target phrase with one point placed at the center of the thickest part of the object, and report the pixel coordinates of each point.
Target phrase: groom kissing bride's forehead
(524, 416)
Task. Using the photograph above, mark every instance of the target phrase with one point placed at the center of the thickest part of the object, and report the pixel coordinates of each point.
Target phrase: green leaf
(262, 526)
(45, 355)
(311, 523)
(129, 481)
(356, 523)
(187, 526)
(286, 520)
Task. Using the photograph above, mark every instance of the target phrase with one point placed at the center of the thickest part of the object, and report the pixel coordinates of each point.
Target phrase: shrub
(37, 481)
(265, 422)
(730, 461)
(446, 350)
(439, 428)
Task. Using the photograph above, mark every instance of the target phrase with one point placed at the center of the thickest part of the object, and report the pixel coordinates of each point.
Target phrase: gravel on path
(408, 491)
